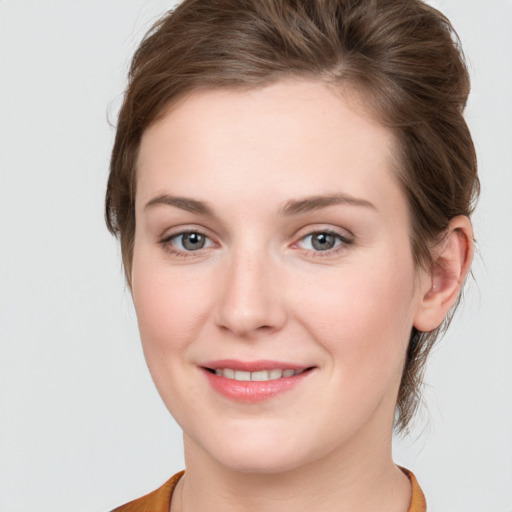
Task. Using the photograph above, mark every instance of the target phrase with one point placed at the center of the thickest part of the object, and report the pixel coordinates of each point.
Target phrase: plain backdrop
(81, 425)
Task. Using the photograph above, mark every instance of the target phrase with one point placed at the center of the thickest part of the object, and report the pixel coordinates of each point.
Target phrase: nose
(251, 296)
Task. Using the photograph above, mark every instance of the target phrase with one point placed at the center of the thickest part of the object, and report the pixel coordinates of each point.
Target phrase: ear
(441, 285)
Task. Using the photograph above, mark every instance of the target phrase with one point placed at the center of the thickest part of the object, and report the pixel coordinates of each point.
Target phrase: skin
(259, 289)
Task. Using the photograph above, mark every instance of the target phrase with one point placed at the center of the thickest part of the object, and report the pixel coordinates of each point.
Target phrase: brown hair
(402, 54)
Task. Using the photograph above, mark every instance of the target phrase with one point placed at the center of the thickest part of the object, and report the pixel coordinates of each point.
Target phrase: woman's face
(272, 244)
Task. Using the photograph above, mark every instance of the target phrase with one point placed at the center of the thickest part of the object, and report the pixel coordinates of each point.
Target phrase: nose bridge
(250, 298)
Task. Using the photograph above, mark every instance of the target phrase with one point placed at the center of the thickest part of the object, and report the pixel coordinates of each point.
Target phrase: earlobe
(452, 259)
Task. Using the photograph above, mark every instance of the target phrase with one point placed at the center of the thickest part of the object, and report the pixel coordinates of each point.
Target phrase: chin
(259, 461)
(268, 452)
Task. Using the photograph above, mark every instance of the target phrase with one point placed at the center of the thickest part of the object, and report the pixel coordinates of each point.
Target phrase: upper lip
(252, 366)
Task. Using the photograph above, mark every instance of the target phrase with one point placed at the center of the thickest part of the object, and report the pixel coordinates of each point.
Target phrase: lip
(252, 391)
(252, 366)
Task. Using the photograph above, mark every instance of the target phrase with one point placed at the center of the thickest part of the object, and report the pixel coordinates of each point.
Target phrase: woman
(291, 183)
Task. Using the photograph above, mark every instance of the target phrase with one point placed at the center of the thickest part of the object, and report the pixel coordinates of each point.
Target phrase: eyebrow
(291, 207)
(308, 204)
(184, 203)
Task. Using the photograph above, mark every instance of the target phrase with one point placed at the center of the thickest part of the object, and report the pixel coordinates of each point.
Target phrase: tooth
(275, 374)
(229, 373)
(259, 376)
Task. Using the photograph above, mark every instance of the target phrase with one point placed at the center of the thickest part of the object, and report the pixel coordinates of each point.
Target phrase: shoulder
(156, 501)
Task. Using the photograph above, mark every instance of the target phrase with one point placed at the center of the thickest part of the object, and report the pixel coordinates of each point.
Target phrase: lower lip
(253, 391)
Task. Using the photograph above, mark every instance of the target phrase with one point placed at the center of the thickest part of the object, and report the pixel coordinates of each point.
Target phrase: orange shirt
(160, 500)
(418, 503)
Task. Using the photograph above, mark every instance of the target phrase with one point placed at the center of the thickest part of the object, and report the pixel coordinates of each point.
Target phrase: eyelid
(346, 239)
(343, 233)
(166, 241)
(184, 233)
(184, 229)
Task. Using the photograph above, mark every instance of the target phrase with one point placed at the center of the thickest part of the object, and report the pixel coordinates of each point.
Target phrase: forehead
(300, 136)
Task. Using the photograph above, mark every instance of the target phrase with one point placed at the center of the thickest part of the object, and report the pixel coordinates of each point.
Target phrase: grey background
(81, 425)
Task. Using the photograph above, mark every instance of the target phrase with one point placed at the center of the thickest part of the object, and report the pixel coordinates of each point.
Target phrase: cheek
(363, 316)
(170, 305)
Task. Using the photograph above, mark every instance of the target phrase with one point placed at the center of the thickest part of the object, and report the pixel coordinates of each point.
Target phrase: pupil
(193, 241)
(323, 241)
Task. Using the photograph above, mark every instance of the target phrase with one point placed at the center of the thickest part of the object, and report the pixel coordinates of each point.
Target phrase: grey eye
(191, 241)
(323, 241)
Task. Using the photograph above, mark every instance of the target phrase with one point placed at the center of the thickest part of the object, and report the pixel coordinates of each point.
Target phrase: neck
(353, 479)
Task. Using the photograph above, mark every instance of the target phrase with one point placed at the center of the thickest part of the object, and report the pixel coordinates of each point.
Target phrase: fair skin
(236, 259)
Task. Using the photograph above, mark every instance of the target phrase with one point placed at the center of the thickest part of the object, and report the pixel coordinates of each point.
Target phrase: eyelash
(343, 239)
(167, 243)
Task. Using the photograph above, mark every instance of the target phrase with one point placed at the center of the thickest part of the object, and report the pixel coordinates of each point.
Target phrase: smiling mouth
(255, 381)
(257, 376)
